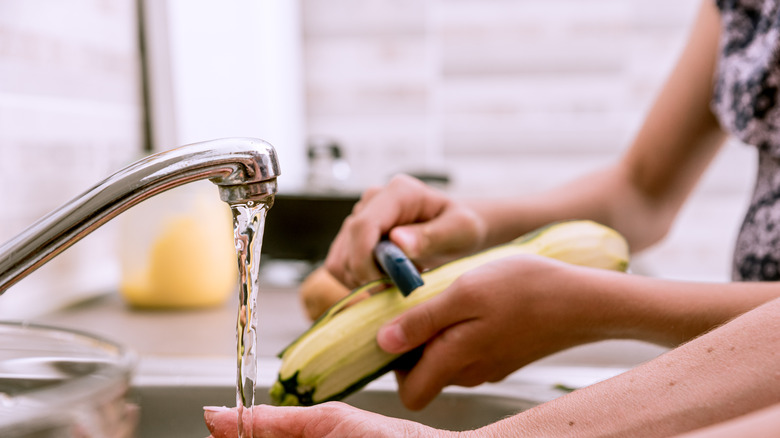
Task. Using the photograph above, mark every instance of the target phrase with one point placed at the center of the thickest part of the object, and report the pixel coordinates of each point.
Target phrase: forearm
(666, 312)
(760, 424)
(723, 374)
(641, 194)
(587, 197)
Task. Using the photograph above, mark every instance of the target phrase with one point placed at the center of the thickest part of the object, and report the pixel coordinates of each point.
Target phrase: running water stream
(248, 226)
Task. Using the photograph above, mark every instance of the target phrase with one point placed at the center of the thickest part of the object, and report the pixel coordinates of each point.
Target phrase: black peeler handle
(398, 267)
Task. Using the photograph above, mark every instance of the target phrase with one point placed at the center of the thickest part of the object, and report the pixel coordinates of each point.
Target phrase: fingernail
(391, 338)
(217, 408)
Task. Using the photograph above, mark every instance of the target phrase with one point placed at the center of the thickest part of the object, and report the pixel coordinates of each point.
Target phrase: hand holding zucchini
(339, 355)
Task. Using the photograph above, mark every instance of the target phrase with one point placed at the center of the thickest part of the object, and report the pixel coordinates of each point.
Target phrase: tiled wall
(511, 97)
(70, 113)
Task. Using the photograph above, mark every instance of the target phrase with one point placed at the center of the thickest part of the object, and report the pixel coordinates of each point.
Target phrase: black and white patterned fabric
(745, 100)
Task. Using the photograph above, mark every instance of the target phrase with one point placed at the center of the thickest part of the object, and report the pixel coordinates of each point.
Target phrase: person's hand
(493, 320)
(328, 420)
(427, 225)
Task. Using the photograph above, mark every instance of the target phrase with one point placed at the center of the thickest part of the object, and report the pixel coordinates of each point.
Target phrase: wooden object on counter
(319, 291)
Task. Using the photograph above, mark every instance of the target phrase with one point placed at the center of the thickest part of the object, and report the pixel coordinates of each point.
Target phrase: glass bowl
(56, 382)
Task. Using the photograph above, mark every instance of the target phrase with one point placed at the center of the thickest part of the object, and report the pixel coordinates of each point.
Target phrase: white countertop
(207, 332)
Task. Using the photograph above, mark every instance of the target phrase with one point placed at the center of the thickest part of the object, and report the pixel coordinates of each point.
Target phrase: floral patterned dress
(745, 100)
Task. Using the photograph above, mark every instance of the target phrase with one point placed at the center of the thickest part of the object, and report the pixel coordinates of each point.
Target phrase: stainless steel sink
(171, 393)
(177, 411)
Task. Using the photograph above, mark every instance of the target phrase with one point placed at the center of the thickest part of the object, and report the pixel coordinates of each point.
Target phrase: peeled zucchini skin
(587, 243)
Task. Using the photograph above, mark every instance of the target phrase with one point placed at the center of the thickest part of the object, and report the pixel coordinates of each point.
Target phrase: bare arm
(641, 194)
(726, 373)
(759, 424)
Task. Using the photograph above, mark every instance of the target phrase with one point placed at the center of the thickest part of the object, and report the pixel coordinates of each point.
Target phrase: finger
(350, 258)
(267, 421)
(444, 237)
(439, 365)
(362, 236)
(421, 323)
(365, 197)
(404, 200)
(327, 420)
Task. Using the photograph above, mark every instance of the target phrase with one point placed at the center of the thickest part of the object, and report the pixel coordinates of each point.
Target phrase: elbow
(649, 236)
(646, 225)
(643, 213)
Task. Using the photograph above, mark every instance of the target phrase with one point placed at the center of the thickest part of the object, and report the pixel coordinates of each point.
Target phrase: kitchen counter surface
(209, 332)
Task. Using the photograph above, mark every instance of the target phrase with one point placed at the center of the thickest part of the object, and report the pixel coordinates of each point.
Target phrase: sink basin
(171, 392)
(171, 411)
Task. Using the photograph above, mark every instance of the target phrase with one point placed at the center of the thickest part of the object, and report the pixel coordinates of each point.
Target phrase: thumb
(442, 238)
(414, 327)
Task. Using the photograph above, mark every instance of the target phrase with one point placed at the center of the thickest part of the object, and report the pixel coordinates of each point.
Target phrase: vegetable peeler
(398, 267)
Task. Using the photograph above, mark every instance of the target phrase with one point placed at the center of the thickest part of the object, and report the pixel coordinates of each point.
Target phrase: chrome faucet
(244, 169)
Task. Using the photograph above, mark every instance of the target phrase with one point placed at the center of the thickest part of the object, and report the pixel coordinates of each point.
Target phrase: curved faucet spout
(244, 169)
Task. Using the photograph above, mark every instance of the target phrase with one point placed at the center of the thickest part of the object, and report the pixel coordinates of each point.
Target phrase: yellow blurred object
(179, 252)
(319, 291)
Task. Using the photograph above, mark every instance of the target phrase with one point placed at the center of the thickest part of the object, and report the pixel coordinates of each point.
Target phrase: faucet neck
(245, 169)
